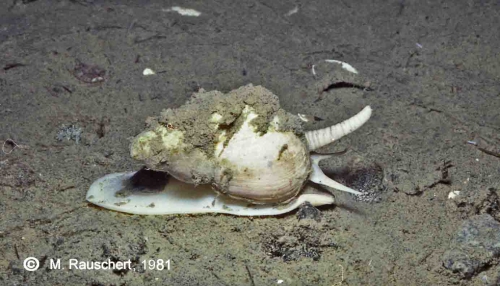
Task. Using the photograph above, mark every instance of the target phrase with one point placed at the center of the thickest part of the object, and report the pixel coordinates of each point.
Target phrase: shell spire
(319, 138)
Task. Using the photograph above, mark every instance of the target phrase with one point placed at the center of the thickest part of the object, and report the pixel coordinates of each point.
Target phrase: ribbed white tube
(319, 138)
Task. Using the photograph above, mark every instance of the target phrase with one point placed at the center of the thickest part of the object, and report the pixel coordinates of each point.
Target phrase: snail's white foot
(118, 192)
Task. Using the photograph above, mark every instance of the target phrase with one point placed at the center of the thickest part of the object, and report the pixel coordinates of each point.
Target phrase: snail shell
(242, 143)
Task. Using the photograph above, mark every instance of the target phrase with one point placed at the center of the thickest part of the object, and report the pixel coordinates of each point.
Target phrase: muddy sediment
(73, 93)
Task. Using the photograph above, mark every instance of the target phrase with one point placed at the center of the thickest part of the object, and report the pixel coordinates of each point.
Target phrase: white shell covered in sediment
(248, 147)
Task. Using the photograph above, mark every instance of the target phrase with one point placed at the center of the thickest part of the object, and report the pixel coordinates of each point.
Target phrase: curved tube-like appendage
(317, 176)
(319, 138)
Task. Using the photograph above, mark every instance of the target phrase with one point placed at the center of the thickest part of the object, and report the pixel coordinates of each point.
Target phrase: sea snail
(242, 143)
(255, 155)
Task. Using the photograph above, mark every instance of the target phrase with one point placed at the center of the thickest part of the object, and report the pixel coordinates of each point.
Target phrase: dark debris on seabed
(308, 211)
(69, 132)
